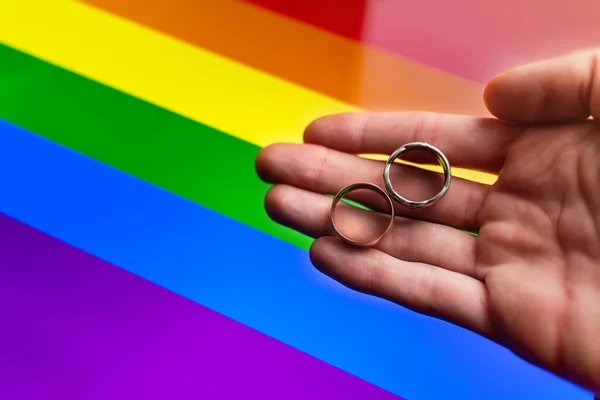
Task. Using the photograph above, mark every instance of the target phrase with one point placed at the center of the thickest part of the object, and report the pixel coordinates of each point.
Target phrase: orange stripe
(338, 67)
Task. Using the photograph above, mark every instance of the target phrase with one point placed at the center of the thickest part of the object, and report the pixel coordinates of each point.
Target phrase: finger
(562, 89)
(468, 142)
(426, 289)
(409, 240)
(322, 170)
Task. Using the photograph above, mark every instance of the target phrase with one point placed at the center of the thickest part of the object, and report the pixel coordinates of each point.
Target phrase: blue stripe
(253, 278)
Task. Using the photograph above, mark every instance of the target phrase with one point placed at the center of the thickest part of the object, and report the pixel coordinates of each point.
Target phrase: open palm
(530, 280)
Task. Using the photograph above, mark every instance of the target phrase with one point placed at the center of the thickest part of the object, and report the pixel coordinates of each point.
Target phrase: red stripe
(473, 39)
(344, 18)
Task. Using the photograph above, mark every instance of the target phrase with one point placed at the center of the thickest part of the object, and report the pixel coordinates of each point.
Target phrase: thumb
(562, 89)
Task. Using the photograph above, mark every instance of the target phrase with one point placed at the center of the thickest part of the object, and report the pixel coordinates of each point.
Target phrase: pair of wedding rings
(390, 193)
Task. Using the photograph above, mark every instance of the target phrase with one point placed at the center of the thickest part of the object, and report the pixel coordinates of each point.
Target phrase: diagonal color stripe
(193, 82)
(166, 149)
(336, 66)
(196, 83)
(253, 278)
(74, 327)
(473, 39)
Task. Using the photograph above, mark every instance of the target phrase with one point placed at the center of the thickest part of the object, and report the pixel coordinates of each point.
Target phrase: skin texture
(530, 280)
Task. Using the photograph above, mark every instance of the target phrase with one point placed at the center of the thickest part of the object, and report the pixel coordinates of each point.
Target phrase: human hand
(530, 280)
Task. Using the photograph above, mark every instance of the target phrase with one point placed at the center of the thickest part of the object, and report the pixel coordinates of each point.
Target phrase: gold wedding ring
(357, 186)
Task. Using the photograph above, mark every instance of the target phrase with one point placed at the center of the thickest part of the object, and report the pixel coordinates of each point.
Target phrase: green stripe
(180, 155)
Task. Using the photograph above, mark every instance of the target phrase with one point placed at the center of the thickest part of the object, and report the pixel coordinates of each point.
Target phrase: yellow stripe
(229, 96)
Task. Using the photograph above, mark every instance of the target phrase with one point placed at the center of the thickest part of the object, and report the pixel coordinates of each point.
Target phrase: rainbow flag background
(136, 258)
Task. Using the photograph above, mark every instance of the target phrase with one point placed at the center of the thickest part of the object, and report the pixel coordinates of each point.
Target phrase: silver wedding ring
(412, 147)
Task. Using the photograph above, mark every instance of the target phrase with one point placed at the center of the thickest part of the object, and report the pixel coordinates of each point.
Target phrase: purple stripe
(74, 326)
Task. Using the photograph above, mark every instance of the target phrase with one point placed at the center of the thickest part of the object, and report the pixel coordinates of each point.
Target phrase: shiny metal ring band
(412, 147)
(358, 186)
